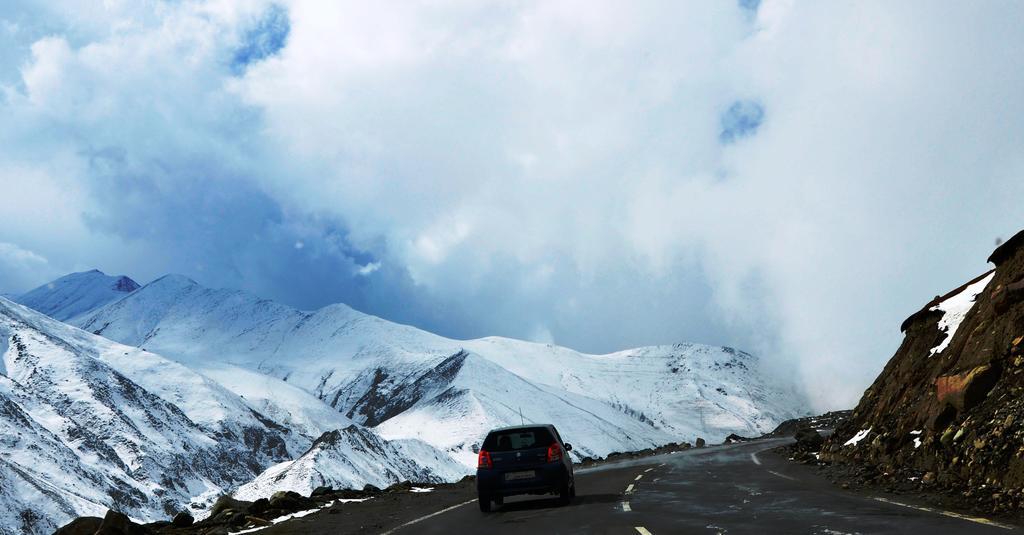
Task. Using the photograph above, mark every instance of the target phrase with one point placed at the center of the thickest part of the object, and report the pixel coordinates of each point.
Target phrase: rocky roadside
(829, 420)
(618, 456)
(944, 420)
(229, 515)
(904, 484)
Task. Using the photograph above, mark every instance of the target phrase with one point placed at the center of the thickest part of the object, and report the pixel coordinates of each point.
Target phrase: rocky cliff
(948, 409)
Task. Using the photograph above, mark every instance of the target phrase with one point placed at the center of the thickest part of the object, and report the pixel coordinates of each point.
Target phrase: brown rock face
(1005, 297)
(955, 415)
(965, 390)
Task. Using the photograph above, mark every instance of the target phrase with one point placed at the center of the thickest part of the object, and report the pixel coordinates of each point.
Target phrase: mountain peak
(125, 284)
(174, 280)
(77, 293)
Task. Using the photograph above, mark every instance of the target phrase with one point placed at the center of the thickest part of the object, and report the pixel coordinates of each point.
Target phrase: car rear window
(518, 439)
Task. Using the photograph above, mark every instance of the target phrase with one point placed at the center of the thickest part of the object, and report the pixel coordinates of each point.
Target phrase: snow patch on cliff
(955, 309)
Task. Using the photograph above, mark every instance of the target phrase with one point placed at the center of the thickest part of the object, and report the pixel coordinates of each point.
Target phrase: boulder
(182, 520)
(290, 502)
(370, 489)
(700, 442)
(322, 491)
(86, 525)
(734, 438)
(404, 486)
(808, 439)
(225, 503)
(115, 523)
(259, 506)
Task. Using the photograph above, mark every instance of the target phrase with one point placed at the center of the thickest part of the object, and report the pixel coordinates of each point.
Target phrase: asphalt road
(735, 489)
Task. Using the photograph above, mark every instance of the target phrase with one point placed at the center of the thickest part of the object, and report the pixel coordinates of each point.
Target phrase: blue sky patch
(742, 119)
(263, 40)
(750, 5)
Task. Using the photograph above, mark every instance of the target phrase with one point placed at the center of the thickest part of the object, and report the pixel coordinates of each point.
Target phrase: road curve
(735, 489)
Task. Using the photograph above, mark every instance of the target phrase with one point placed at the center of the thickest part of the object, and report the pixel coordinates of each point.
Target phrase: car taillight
(484, 460)
(554, 452)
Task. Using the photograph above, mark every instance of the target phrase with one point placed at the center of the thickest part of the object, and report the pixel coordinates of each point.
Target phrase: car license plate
(513, 476)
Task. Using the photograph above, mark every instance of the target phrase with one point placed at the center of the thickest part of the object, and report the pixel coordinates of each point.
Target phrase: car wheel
(565, 494)
(499, 500)
(485, 503)
(572, 490)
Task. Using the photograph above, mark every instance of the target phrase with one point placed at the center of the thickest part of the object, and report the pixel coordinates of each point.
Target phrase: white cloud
(548, 170)
(21, 266)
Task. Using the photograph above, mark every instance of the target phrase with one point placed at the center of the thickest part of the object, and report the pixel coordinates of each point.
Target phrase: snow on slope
(955, 309)
(686, 389)
(468, 395)
(87, 424)
(286, 404)
(340, 459)
(77, 293)
(35, 499)
(204, 401)
(368, 368)
(84, 437)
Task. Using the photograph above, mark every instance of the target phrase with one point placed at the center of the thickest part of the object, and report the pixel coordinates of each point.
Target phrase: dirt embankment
(946, 416)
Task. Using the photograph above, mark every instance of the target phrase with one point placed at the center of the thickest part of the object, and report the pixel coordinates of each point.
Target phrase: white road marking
(783, 476)
(753, 457)
(625, 507)
(642, 530)
(629, 489)
(638, 477)
(422, 518)
(648, 470)
(976, 520)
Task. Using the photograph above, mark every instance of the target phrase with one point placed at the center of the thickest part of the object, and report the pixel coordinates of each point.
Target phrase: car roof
(515, 427)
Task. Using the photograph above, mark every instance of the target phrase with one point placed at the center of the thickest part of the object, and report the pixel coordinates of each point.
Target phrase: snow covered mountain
(249, 384)
(351, 458)
(81, 435)
(409, 383)
(77, 293)
(88, 424)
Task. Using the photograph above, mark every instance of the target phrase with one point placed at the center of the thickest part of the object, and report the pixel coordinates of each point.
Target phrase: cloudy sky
(793, 178)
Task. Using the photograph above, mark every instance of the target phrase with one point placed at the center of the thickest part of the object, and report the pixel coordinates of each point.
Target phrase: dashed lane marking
(625, 507)
(753, 457)
(638, 477)
(629, 489)
(642, 530)
(431, 515)
(648, 470)
(783, 476)
(975, 519)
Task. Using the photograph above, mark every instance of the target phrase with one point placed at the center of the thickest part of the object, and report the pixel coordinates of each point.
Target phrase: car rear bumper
(549, 478)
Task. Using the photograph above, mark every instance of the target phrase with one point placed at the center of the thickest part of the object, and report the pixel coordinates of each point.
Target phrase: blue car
(526, 459)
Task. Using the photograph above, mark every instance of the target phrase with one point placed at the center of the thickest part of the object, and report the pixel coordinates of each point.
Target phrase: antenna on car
(521, 421)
